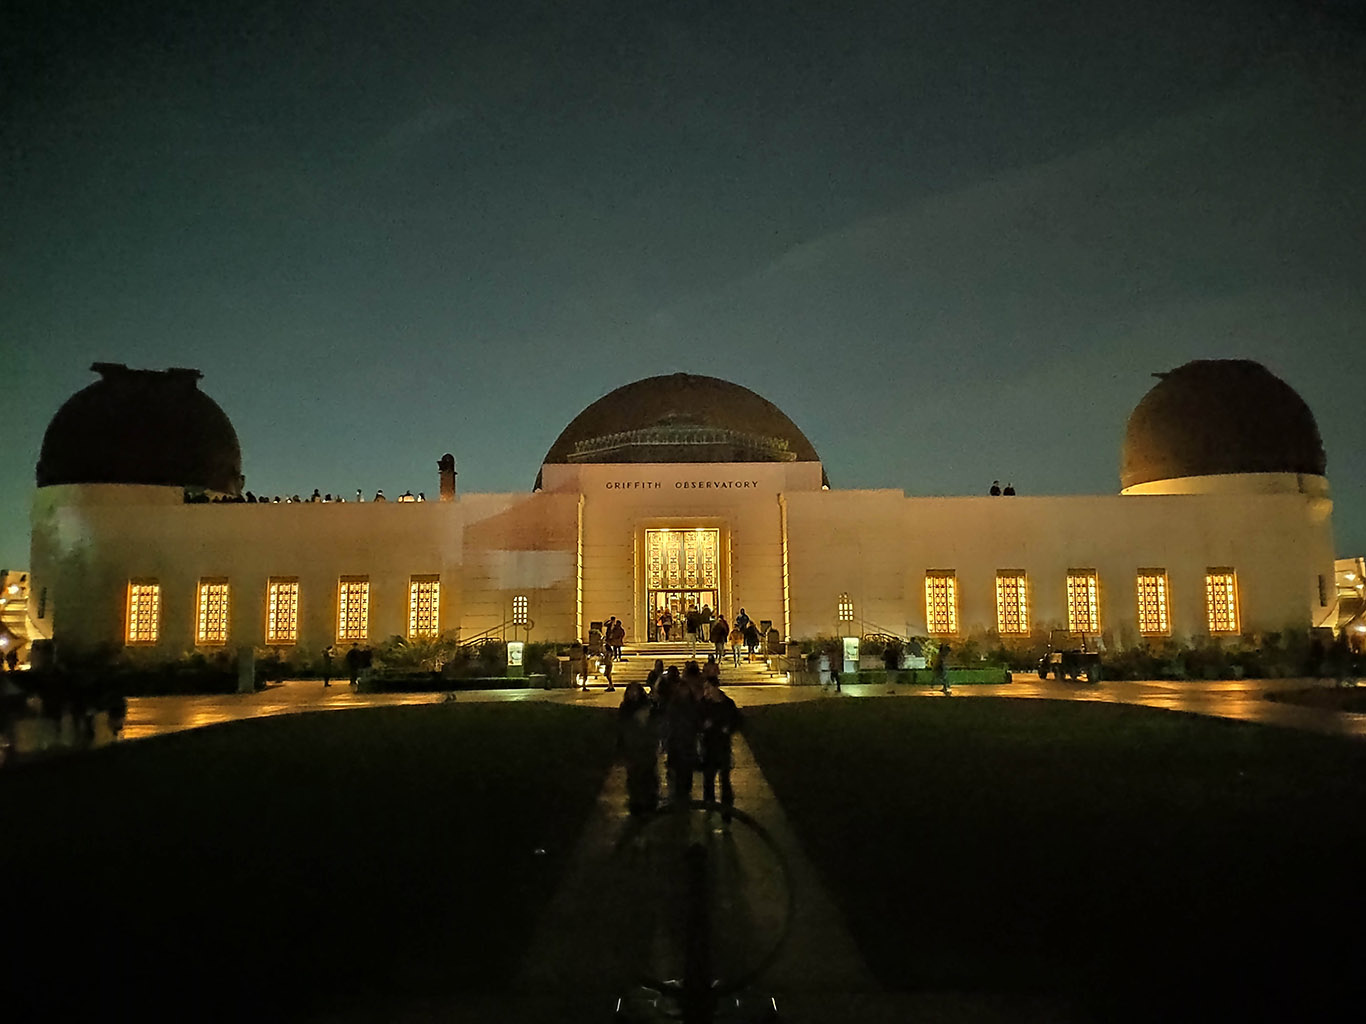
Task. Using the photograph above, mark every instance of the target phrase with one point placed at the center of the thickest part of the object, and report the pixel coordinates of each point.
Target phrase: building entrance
(682, 570)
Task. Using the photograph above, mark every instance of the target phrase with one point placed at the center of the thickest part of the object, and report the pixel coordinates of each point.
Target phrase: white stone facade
(789, 550)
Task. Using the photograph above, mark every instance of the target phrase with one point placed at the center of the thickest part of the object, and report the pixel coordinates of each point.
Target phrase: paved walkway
(620, 910)
(1244, 700)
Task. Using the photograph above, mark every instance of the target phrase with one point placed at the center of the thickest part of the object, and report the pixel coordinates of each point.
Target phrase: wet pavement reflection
(1243, 700)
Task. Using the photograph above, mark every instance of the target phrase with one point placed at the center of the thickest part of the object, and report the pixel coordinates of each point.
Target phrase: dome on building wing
(142, 427)
(1219, 416)
(681, 417)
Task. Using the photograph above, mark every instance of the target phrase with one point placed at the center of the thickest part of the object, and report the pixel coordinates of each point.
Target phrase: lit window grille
(1083, 601)
(424, 605)
(1221, 599)
(211, 623)
(1154, 614)
(941, 602)
(1012, 602)
(144, 611)
(519, 610)
(845, 608)
(282, 610)
(353, 608)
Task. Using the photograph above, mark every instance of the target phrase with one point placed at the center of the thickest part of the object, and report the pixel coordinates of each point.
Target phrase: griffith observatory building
(669, 491)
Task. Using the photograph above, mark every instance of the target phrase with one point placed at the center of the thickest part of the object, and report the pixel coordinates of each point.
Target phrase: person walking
(737, 637)
(667, 686)
(618, 638)
(666, 622)
(578, 661)
(353, 663)
(638, 744)
(655, 677)
(693, 621)
(327, 664)
(680, 737)
(751, 638)
(720, 633)
(741, 621)
(711, 670)
(607, 668)
(941, 669)
(719, 720)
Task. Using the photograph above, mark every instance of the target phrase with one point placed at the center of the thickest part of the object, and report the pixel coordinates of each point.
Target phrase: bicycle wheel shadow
(708, 905)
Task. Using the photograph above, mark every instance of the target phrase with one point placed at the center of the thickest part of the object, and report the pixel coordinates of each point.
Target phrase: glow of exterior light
(4, 641)
(14, 587)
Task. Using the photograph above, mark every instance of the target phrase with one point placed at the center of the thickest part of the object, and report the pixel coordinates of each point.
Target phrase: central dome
(681, 417)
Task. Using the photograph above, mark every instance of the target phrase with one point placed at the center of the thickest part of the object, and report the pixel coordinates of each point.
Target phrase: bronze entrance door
(682, 570)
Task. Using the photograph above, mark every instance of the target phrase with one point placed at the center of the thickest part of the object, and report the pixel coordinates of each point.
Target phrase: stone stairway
(640, 658)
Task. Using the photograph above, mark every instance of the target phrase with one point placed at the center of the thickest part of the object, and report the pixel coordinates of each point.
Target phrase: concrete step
(640, 659)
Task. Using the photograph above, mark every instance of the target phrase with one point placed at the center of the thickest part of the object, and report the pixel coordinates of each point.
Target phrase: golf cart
(1070, 656)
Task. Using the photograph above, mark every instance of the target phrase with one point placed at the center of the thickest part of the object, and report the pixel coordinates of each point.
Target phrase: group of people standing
(686, 716)
(357, 659)
(703, 626)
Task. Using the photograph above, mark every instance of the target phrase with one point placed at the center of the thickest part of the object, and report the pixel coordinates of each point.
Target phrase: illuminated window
(282, 610)
(353, 608)
(941, 602)
(1012, 601)
(1153, 612)
(1221, 599)
(211, 622)
(424, 605)
(519, 606)
(845, 608)
(1083, 601)
(144, 611)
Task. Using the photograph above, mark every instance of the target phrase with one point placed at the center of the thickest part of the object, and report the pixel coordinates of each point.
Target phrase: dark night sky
(950, 238)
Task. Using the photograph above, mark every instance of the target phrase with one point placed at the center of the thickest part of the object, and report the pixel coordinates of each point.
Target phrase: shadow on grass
(294, 865)
(1134, 860)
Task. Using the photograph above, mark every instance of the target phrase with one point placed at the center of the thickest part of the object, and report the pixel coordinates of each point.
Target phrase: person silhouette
(995, 488)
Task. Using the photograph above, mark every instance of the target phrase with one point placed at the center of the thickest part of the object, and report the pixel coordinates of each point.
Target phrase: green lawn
(329, 860)
(1139, 861)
